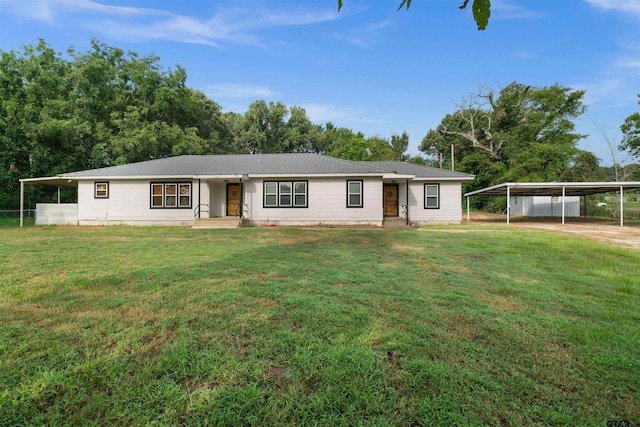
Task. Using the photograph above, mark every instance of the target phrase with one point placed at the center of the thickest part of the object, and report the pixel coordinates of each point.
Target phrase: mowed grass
(255, 326)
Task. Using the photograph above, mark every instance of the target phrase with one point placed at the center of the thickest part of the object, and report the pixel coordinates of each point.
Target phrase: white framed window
(157, 195)
(354, 194)
(184, 192)
(432, 196)
(300, 194)
(285, 194)
(171, 195)
(270, 194)
(101, 190)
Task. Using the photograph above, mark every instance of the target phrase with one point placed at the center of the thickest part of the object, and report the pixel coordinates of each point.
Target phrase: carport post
(21, 201)
(508, 203)
(621, 206)
(563, 194)
(467, 208)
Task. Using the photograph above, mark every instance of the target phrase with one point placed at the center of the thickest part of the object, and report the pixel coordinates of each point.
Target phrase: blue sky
(369, 67)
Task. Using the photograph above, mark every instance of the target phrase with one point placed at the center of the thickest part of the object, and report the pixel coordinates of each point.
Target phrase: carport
(558, 189)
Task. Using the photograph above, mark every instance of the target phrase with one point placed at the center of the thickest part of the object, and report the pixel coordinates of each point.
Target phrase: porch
(220, 199)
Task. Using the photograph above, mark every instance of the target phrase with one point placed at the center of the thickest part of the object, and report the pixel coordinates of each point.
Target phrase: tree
(274, 128)
(94, 109)
(517, 133)
(631, 133)
(481, 10)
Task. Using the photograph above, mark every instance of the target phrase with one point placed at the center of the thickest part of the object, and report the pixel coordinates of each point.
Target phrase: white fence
(56, 213)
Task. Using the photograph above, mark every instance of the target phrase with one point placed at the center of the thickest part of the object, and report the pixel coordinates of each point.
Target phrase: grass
(254, 326)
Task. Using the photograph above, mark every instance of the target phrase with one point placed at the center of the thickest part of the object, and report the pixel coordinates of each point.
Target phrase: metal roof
(254, 164)
(419, 171)
(232, 164)
(552, 188)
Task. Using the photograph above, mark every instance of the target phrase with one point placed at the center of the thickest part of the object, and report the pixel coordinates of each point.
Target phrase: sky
(369, 67)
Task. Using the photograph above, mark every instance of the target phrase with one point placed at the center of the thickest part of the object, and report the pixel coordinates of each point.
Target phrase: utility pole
(452, 161)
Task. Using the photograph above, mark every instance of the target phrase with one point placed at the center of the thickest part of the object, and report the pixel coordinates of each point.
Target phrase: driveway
(610, 232)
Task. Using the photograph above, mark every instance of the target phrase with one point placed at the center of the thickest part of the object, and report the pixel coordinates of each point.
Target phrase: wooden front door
(233, 199)
(390, 199)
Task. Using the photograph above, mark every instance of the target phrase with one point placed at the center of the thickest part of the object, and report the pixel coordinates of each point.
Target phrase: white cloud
(633, 63)
(522, 54)
(379, 25)
(233, 25)
(506, 10)
(340, 116)
(352, 40)
(626, 6)
(233, 90)
(607, 93)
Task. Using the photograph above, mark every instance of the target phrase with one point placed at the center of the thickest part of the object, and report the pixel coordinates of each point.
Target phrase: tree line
(104, 107)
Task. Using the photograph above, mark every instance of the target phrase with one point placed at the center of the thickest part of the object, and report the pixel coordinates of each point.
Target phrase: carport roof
(553, 188)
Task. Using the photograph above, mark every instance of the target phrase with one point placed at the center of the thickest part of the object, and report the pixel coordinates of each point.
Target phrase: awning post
(621, 206)
(21, 202)
(563, 194)
(58, 194)
(508, 203)
(467, 208)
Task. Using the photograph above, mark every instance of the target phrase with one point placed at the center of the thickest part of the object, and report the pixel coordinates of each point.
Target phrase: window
(171, 195)
(354, 194)
(285, 194)
(101, 190)
(270, 194)
(432, 196)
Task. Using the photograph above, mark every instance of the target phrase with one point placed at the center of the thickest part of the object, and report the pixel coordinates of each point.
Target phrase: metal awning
(552, 188)
(559, 189)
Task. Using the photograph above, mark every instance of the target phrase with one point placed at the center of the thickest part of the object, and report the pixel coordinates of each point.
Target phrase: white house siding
(544, 206)
(326, 200)
(129, 203)
(56, 213)
(450, 210)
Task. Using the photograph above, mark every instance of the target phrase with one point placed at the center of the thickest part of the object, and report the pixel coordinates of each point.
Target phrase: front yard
(257, 326)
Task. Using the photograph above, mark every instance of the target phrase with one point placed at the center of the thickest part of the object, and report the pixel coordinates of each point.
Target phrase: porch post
(407, 201)
(199, 192)
(58, 194)
(21, 202)
(621, 206)
(508, 203)
(563, 194)
(242, 198)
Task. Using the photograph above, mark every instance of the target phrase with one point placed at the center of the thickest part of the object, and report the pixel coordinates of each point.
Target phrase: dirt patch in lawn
(602, 231)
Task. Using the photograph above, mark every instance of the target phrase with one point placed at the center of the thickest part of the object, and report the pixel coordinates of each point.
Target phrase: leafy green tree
(274, 128)
(94, 109)
(520, 133)
(631, 134)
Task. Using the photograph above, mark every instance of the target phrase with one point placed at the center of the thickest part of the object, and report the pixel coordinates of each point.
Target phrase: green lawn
(275, 326)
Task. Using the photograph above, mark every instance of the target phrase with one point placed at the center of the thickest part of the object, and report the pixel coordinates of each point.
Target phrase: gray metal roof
(552, 188)
(419, 171)
(233, 164)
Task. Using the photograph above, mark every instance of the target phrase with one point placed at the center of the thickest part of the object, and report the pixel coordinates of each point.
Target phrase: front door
(390, 199)
(233, 199)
